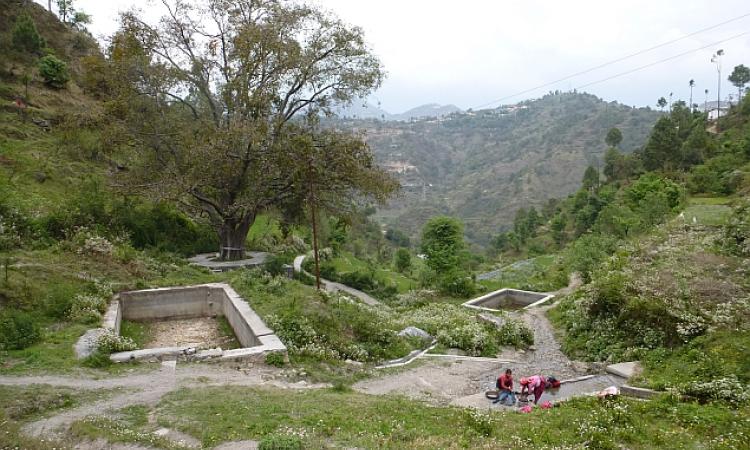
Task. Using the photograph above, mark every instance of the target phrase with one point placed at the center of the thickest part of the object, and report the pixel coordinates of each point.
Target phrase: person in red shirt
(505, 386)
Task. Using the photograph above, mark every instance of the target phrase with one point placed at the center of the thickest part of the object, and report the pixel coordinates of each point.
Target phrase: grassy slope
(347, 419)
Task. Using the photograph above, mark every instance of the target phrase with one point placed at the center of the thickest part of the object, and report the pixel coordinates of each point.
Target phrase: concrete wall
(247, 326)
(172, 303)
(113, 316)
(507, 297)
(195, 301)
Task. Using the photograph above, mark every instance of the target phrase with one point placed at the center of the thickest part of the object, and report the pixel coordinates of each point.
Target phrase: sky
(473, 52)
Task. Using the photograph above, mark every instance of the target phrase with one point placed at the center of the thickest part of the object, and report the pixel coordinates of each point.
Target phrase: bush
(402, 260)
(608, 298)
(54, 71)
(737, 231)
(275, 265)
(18, 330)
(728, 389)
(457, 284)
(87, 308)
(110, 342)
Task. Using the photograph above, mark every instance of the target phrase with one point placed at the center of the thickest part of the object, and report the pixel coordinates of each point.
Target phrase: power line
(614, 61)
(663, 60)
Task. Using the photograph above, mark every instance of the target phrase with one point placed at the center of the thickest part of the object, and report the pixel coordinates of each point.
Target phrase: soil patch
(208, 332)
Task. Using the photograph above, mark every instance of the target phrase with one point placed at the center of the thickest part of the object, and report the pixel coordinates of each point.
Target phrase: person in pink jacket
(535, 384)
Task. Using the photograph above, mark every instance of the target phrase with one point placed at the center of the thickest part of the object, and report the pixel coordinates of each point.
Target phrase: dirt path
(463, 382)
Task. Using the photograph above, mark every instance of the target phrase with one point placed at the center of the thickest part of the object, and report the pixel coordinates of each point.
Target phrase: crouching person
(535, 385)
(505, 386)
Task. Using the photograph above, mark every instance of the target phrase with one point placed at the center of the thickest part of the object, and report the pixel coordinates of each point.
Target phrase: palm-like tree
(692, 85)
(705, 102)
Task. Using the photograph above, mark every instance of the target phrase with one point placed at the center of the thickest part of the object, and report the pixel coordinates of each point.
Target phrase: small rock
(532, 348)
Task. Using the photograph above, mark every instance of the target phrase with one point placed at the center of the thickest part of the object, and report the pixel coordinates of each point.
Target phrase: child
(505, 386)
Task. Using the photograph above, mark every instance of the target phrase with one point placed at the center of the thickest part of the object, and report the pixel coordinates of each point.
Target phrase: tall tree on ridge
(739, 78)
(692, 85)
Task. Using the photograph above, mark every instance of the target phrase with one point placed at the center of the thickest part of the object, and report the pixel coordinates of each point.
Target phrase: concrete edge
(473, 302)
(642, 393)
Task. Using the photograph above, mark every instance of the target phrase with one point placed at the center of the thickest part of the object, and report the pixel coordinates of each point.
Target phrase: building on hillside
(716, 110)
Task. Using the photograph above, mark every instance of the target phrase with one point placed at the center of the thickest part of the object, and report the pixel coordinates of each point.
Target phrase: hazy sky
(472, 52)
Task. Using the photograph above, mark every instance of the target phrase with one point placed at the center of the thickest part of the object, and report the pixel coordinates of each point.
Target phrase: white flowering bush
(87, 308)
(457, 327)
(109, 342)
(483, 423)
(728, 389)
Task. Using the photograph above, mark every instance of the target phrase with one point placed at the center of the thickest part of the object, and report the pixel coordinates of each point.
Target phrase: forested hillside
(482, 166)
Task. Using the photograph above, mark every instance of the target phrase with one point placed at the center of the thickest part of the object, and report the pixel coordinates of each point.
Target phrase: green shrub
(457, 284)
(54, 71)
(25, 36)
(18, 330)
(59, 300)
(275, 265)
(609, 297)
(275, 359)
(280, 442)
(737, 231)
(402, 260)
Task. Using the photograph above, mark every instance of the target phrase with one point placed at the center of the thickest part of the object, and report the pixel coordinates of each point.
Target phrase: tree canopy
(220, 101)
(442, 243)
(614, 137)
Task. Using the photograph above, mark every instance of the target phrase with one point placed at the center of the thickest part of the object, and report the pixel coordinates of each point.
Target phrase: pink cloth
(527, 409)
(546, 405)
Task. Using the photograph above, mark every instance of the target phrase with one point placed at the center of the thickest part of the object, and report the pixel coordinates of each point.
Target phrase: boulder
(415, 332)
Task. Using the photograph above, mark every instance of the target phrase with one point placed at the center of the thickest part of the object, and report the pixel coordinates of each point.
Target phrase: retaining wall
(497, 300)
(208, 300)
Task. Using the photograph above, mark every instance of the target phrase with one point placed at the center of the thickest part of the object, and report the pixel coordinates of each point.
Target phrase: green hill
(483, 166)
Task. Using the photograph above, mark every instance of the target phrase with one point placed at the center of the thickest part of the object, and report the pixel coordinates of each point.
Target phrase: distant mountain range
(365, 110)
(482, 166)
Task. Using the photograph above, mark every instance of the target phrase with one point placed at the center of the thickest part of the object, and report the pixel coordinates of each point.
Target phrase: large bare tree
(216, 96)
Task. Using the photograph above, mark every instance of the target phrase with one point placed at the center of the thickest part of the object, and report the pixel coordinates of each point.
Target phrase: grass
(347, 262)
(22, 404)
(139, 332)
(717, 355)
(348, 419)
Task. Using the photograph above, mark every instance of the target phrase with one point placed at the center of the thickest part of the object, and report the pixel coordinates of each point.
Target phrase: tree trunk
(232, 235)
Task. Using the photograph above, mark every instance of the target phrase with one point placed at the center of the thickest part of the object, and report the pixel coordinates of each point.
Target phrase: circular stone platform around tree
(212, 262)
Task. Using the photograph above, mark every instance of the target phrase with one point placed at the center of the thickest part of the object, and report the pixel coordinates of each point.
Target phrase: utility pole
(716, 59)
(313, 212)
